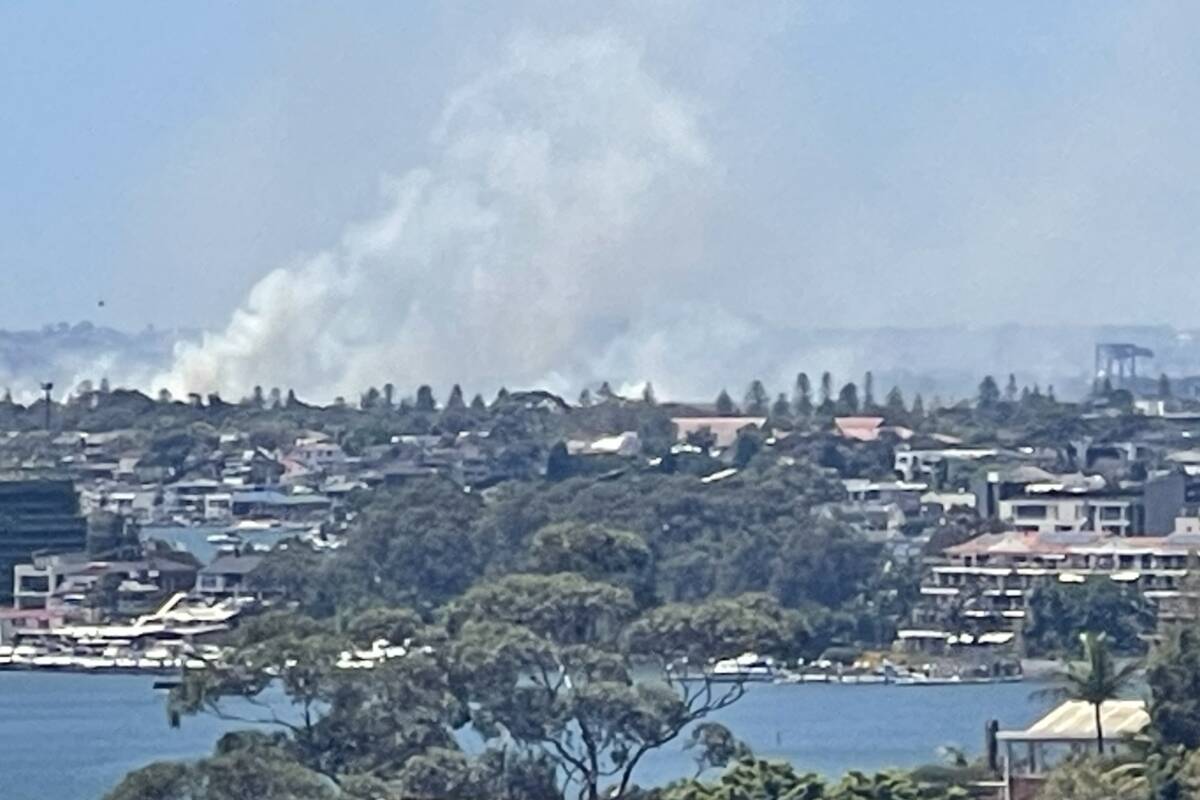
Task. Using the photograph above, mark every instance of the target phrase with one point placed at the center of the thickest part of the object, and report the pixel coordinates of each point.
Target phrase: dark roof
(270, 498)
(232, 565)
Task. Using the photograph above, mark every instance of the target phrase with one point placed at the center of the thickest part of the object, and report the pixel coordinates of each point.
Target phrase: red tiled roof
(864, 429)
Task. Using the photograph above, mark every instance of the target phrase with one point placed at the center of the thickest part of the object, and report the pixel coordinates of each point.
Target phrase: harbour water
(72, 737)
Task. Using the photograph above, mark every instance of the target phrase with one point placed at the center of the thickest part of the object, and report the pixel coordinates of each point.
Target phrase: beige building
(989, 579)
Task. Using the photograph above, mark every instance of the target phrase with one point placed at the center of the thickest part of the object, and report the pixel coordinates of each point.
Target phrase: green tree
(371, 399)
(756, 779)
(547, 665)
(1096, 680)
(826, 407)
(748, 444)
(894, 405)
(245, 767)
(595, 551)
(848, 399)
(158, 781)
(566, 608)
(425, 401)
(715, 747)
(989, 393)
(648, 395)
(455, 401)
(1010, 389)
(724, 406)
(1164, 386)
(332, 720)
(918, 407)
(1095, 779)
(757, 402)
(559, 464)
(410, 546)
(1174, 679)
(802, 397)
(868, 395)
(1057, 612)
(781, 409)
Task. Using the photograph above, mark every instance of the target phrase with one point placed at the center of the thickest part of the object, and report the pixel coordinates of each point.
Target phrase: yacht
(746, 667)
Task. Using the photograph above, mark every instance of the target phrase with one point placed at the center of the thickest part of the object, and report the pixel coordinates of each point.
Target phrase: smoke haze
(559, 212)
(690, 192)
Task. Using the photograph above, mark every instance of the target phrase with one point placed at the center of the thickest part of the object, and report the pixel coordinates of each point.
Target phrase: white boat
(746, 667)
(222, 538)
(252, 525)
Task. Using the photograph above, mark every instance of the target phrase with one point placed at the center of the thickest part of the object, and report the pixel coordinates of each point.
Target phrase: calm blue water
(72, 737)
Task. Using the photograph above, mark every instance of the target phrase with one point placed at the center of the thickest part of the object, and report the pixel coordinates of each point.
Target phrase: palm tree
(1096, 679)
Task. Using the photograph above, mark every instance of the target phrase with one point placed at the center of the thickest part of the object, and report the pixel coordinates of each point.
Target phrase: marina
(173, 638)
(753, 668)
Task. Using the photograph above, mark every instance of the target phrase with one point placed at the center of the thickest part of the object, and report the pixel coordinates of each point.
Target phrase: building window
(34, 583)
(1030, 512)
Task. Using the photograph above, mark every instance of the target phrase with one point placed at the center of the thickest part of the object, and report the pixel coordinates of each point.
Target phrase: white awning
(1075, 721)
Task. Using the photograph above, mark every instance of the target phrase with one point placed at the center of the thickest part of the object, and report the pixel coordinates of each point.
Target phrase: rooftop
(232, 565)
(1054, 543)
(1075, 721)
(864, 429)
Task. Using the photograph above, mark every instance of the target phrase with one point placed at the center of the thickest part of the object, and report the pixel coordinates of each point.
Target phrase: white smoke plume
(562, 202)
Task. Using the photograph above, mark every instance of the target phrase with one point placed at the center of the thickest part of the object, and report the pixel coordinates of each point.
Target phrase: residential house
(724, 430)
(1068, 731)
(72, 583)
(926, 465)
(318, 456)
(268, 504)
(625, 444)
(36, 581)
(905, 495)
(1075, 503)
(862, 429)
(187, 497)
(228, 577)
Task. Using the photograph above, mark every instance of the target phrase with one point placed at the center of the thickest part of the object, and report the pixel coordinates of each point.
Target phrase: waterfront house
(36, 581)
(1069, 729)
(93, 589)
(228, 577)
(987, 581)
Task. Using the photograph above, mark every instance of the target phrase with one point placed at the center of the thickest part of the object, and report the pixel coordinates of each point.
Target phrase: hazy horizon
(537, 194)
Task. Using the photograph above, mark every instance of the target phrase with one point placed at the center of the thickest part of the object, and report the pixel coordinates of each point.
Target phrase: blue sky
(875, 163)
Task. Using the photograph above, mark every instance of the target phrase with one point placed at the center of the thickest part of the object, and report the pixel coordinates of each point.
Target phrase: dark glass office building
(37, 516)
